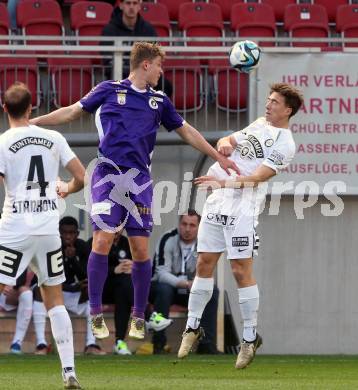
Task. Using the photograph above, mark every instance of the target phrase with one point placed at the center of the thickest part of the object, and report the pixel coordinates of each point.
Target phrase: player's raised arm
(57, 117)
(195, 139)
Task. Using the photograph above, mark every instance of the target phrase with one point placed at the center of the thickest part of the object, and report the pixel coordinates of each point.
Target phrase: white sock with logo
(249, 305)
(39, 314)
(62, 333)
(23, 316)
(200, 294)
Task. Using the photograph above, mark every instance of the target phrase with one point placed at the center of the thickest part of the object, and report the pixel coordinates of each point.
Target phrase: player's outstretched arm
(57, 117)
(261, 174)
(195, 139)
(77, 171)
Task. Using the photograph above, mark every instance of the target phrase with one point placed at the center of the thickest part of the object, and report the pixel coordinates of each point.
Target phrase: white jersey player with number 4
(229, 218)
(29, 227)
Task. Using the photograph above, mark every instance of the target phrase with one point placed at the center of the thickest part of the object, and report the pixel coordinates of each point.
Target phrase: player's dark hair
(191, 213)
(17, 100)
(68, 220)
(293, 96)
(142, 51)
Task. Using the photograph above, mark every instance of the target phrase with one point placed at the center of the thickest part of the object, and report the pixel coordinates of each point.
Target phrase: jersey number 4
(37, 166)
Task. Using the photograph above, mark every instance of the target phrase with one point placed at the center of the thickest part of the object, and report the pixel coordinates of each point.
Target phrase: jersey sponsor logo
(9, 261)
(121, 99)
(246, 150)
(219, 219)
(257, 146)
(269, 142)
(276, 157)
(18, 145)
(101, 208)
(34, 206)
(153, 103)
(240, 241)
(242, 250)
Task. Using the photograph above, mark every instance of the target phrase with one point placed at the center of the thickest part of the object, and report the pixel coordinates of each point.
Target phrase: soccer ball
(244, 56)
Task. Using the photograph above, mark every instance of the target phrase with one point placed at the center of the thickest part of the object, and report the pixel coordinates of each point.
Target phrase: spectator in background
(20, 297)
(126, 21)
(175, 265)
(75, 257)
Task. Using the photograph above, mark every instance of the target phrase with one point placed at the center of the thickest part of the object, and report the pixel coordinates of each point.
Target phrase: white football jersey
(257, 144)
(29, 162)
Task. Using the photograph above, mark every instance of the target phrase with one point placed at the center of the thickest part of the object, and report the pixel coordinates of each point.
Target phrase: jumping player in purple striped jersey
(128, 115)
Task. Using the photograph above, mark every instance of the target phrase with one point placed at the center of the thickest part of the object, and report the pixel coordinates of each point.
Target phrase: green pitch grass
(197, 372)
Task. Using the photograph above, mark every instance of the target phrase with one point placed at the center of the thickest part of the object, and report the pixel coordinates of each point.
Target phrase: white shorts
(71, 303)
(236, 235)
(42, 253)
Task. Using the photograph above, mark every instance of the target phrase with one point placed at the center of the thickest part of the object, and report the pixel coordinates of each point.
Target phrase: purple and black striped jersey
(127, 120)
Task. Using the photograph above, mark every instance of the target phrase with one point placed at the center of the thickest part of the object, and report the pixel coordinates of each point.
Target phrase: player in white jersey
(228, 222)
(29, 235)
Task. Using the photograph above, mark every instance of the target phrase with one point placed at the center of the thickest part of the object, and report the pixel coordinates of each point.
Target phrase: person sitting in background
(175, 263)
(18, 297)
(75, 257)
(126, 21)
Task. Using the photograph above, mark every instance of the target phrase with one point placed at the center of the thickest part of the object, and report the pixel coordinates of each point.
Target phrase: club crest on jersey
(153, 103)
(121, 98)
(269, 142)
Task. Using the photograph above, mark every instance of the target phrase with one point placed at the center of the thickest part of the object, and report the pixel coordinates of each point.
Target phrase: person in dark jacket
(126, 21)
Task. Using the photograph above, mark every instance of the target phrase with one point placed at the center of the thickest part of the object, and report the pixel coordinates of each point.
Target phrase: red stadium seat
(40, 17)
(231, 87)
(157, 15)
(4, 23)
(89, 17)
(306, 21)
(173, 7)
(71, 78)
(253, 20)
(226, 6)
(201, 20)
(185, 76)
(278, 7)
(347, 22)
(20, 69)
(331, 7)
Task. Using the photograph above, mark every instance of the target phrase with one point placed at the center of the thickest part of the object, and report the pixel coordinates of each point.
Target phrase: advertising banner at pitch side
(326, 128)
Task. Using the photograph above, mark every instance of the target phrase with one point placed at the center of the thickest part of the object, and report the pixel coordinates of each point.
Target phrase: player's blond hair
(17, 99)
(143, 51)
(293, 96)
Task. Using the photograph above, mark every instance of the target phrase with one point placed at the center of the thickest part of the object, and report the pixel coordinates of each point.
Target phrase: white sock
(90, 339)
(200, 294)
(39, 315)
(23, 316)
(249, 305)
(62, 333)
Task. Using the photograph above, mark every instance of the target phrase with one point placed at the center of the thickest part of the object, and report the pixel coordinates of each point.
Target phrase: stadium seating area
(69, 78)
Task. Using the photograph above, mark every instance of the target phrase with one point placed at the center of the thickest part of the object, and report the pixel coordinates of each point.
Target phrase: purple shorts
(121, 198)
